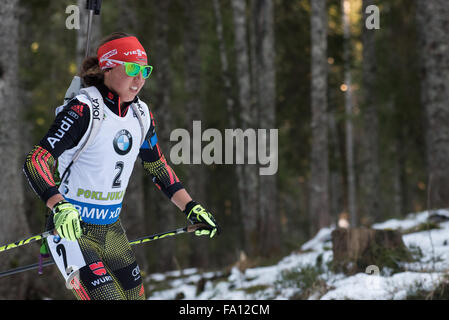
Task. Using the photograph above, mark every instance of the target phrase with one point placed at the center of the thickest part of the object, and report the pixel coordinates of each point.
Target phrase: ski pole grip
(196, 226)
(94, 5)
(83, 227)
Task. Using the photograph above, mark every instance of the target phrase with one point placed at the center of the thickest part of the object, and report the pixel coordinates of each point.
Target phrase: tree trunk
(336, 176)
(247, 173)
(370, 171)
(230, 101)
(396, 205)
(196, 173)
(352, 204)
(263, 47)
(14, 225)
(162, 211)
(243, 61)
(355, 249)
(127, 19)
(319, 210)
(433, 22)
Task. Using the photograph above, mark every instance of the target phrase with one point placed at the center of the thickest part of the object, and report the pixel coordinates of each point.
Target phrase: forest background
(358, 92)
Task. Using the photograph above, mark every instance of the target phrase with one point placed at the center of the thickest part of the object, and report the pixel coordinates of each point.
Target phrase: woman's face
(125, 86)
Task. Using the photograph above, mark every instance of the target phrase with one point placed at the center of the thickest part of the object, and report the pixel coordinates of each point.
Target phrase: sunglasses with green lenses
(132, 69)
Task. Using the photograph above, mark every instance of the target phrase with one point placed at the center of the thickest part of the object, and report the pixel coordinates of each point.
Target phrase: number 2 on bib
(117, 183)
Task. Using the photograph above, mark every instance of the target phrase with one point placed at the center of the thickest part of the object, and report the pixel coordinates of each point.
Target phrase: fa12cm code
(246, 309)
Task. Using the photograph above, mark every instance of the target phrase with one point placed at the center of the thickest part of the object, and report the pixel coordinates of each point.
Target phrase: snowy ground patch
(306, 275)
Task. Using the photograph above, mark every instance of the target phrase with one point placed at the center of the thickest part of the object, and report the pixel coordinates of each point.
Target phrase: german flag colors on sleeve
(38, 169)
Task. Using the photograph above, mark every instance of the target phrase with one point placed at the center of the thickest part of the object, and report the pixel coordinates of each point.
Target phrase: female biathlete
(94, 255)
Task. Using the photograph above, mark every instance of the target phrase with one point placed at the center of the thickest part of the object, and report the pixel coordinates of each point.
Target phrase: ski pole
(157, 236)
(22, 242)
(190, 228)
(26, 268)
(32, 239)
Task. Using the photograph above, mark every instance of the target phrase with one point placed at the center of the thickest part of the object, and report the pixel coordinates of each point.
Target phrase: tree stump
(355, 249)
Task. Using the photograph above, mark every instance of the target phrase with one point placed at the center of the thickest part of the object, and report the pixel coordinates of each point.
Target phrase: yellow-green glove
(67, 220)
(197, 214)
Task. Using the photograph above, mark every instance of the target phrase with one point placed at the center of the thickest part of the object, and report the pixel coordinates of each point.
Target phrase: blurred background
(358, 93)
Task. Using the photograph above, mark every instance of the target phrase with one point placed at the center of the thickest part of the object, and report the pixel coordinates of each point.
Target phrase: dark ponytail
(90, 73)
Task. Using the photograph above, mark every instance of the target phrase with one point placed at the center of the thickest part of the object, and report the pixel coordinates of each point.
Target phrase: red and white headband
(126, 49)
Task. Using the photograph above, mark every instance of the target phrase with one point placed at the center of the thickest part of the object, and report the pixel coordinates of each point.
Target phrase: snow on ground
(288, 278)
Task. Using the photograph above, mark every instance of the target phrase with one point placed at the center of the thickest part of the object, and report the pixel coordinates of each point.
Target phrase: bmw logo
(123, 141)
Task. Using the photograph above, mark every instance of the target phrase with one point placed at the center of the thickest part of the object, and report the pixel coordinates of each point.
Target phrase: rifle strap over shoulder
(96, 116)
(140, 116)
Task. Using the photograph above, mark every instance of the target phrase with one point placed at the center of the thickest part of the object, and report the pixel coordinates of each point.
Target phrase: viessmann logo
(138, 52)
